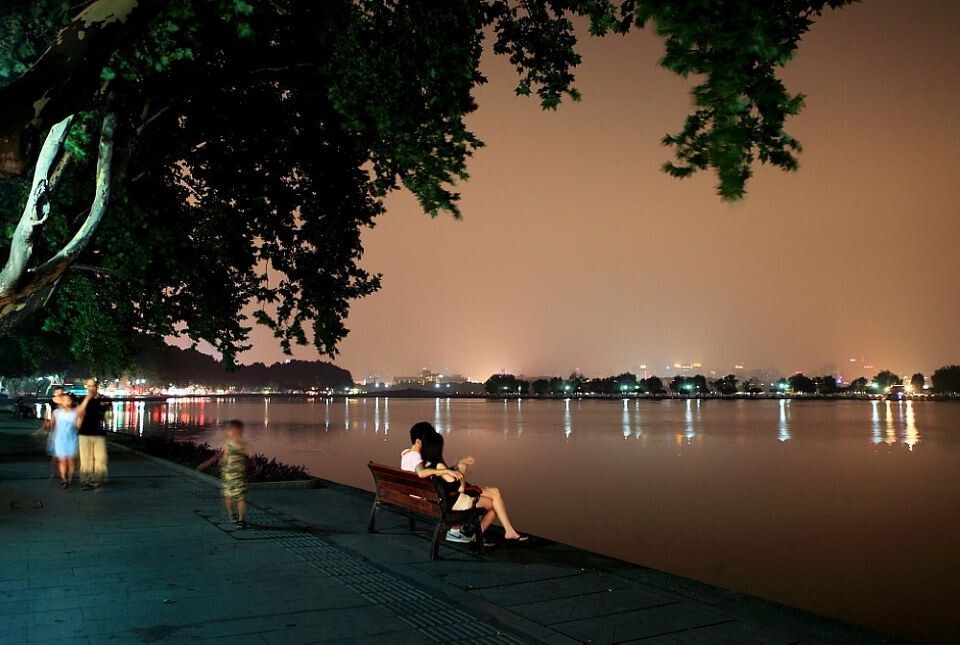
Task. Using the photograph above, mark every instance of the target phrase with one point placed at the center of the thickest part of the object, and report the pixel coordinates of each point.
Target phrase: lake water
(845, 508)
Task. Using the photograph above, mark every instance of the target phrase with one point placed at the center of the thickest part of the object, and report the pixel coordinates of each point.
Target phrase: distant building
(465, 388)
(373, 382)
(428, 377)
(437, 381)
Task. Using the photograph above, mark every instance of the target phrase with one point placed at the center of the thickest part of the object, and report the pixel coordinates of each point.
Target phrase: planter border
(296, 484)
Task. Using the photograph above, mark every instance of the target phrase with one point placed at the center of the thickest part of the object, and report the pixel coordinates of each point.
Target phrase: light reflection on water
(891, 432)
(625, 419)
(889, 423)
(691, 421)
(875, 422)
(639, 432)
(519, 416)
(792, 500)
(896, 424)
(783, 429)
(911, 434)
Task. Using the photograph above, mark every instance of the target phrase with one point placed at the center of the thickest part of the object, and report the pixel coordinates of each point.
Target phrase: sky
(577, 252)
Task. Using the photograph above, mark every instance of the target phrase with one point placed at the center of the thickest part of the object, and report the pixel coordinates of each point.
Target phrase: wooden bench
(411, 495)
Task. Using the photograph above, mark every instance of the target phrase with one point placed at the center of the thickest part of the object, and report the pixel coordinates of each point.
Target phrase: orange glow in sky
(575, 250)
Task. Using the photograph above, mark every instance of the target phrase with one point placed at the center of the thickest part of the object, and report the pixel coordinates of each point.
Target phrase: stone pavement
(148, 558)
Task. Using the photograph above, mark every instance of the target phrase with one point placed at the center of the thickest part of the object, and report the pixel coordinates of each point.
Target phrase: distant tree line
(945, 380)
(159, 364)
(163, 365)
(574, 384)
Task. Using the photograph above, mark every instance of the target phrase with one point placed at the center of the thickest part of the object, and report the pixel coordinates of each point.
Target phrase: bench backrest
(407, 490)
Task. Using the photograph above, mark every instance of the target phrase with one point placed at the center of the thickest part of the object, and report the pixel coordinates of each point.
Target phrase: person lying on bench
(410, 460)
(463, 496)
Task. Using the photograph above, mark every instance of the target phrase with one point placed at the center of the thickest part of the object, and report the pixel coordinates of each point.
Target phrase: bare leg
(62, 468)
(228, 501)
(70, 468)
(241, 508)
(488, 517)
(491, 498)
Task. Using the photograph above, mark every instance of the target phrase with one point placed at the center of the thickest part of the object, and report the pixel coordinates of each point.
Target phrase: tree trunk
(25, 289)
(36, 211)
(14, 313)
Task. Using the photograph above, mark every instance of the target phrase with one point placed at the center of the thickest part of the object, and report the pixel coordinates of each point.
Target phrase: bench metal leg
(372, 527)
(435, 544)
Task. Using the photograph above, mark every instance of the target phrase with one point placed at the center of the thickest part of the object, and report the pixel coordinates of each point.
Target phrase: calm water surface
(844, 508)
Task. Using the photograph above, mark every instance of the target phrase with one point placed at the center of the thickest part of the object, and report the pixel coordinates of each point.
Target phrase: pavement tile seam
(522, 582)
(678, 632)
(462, 631)
(284, 615)
(615, 613)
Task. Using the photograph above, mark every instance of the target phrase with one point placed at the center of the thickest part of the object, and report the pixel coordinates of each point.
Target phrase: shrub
(192, 454)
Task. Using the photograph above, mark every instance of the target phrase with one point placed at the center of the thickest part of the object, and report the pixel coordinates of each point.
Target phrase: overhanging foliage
(256, 139)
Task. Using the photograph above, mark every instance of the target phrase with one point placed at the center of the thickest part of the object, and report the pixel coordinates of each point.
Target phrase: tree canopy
(917, 382)
(506, 384)
(168, 162)
(946, 380)
(886, 378)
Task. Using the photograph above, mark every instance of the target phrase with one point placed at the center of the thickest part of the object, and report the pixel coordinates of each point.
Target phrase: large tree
(826, 384)
(726, 386)
(946, 380)
(885, 379)
(859, 385)
(801, 384)
(917, 382)
(169, 161)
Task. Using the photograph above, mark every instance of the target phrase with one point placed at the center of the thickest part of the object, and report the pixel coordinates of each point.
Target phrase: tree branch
(35, 212)
(66, 78)
(53, 268)
(86, 267)
(24, 291)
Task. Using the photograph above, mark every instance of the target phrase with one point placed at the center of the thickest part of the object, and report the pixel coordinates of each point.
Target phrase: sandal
(519, 541)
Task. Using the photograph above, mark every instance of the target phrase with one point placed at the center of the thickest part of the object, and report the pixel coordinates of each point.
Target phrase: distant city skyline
(849, 370)
(576, 251)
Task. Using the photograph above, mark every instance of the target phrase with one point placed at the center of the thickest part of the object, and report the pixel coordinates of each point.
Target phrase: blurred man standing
(93, 437)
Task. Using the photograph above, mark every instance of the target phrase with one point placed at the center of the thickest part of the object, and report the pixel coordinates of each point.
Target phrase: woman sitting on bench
(462, 496)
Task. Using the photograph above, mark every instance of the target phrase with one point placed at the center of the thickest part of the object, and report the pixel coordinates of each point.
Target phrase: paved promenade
(150, 558)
